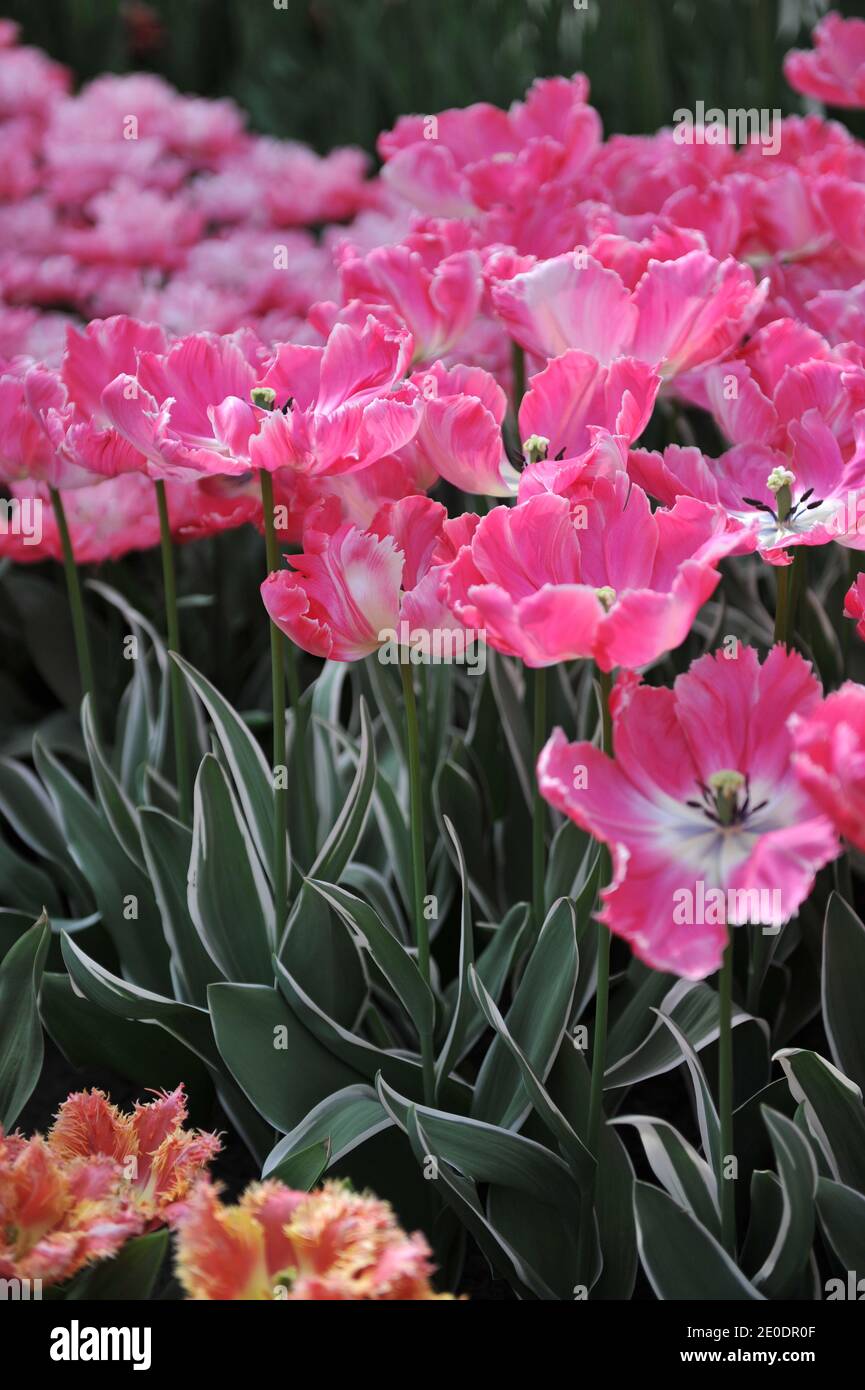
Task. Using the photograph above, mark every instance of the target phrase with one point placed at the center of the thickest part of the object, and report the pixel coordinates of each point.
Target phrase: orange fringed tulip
(331, 1244)
(98, 1177)
(159, 1158)
(57, 1215)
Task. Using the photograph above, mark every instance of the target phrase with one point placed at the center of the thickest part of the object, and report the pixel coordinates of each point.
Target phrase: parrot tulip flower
(460, 433)
(706, 821)
(340, 407)
(350, 591)
(96, 1179)
(575, 394)
(188, 410)
(58, 1215)
(160, 1157)
(682, 314)
(551, 581)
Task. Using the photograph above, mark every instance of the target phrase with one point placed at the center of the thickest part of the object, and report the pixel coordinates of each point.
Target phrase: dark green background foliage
(338, 71)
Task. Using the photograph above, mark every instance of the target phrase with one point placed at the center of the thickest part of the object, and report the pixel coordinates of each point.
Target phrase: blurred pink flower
(834, 70)
(854, 603)
(829, 758)
(331, 1244)
(461, 161)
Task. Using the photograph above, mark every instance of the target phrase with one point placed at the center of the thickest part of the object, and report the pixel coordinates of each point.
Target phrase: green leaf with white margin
(569, 1141)
(797, 1172)
(28, 808)
(13, 924)
(157, 710)
(504, 677)
(457, 797)
(486, 1153)
(462, 1196)
(344, 1120)
(116, 806)
(389, 815)
(303, 1168)
(116, 883)
(494, 964)
(348, 828)
(682, 1260)
(766, 1207)
(569, 1085)
(25, 886)
(354, 1051)
(167, 846)
(250, 772)
(693, 1007)
(532, 1198)
(463, 1007)
(536, 1021)
(843, 973)
(184, 1022)
(21, 1045)
(315, 948)
(568, 862)
(91, 1038)
(127, 1000)
(228, 895)
(639, 992)
(679, 1168)
(842, 1217)
(833, 1111)
(393, 960)
(707, 1116)
(279, 1065)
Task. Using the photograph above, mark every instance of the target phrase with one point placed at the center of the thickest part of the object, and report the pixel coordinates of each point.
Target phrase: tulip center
(785, 512)
(726, 798)
(606, 597)
(535, 448)
(264, 397)
(780, 481)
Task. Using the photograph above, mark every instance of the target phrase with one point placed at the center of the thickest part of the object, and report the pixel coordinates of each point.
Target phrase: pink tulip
(829, 758)
(455, 163)
(700, 799)
(350, 589)
(118, 516)
(854, 603)
(607, 578)
(460, 432)
(341, 407)
(432, 281)
(834, 71)
(188, 410)
(795, 411)
(576, 393)
(683, 312)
